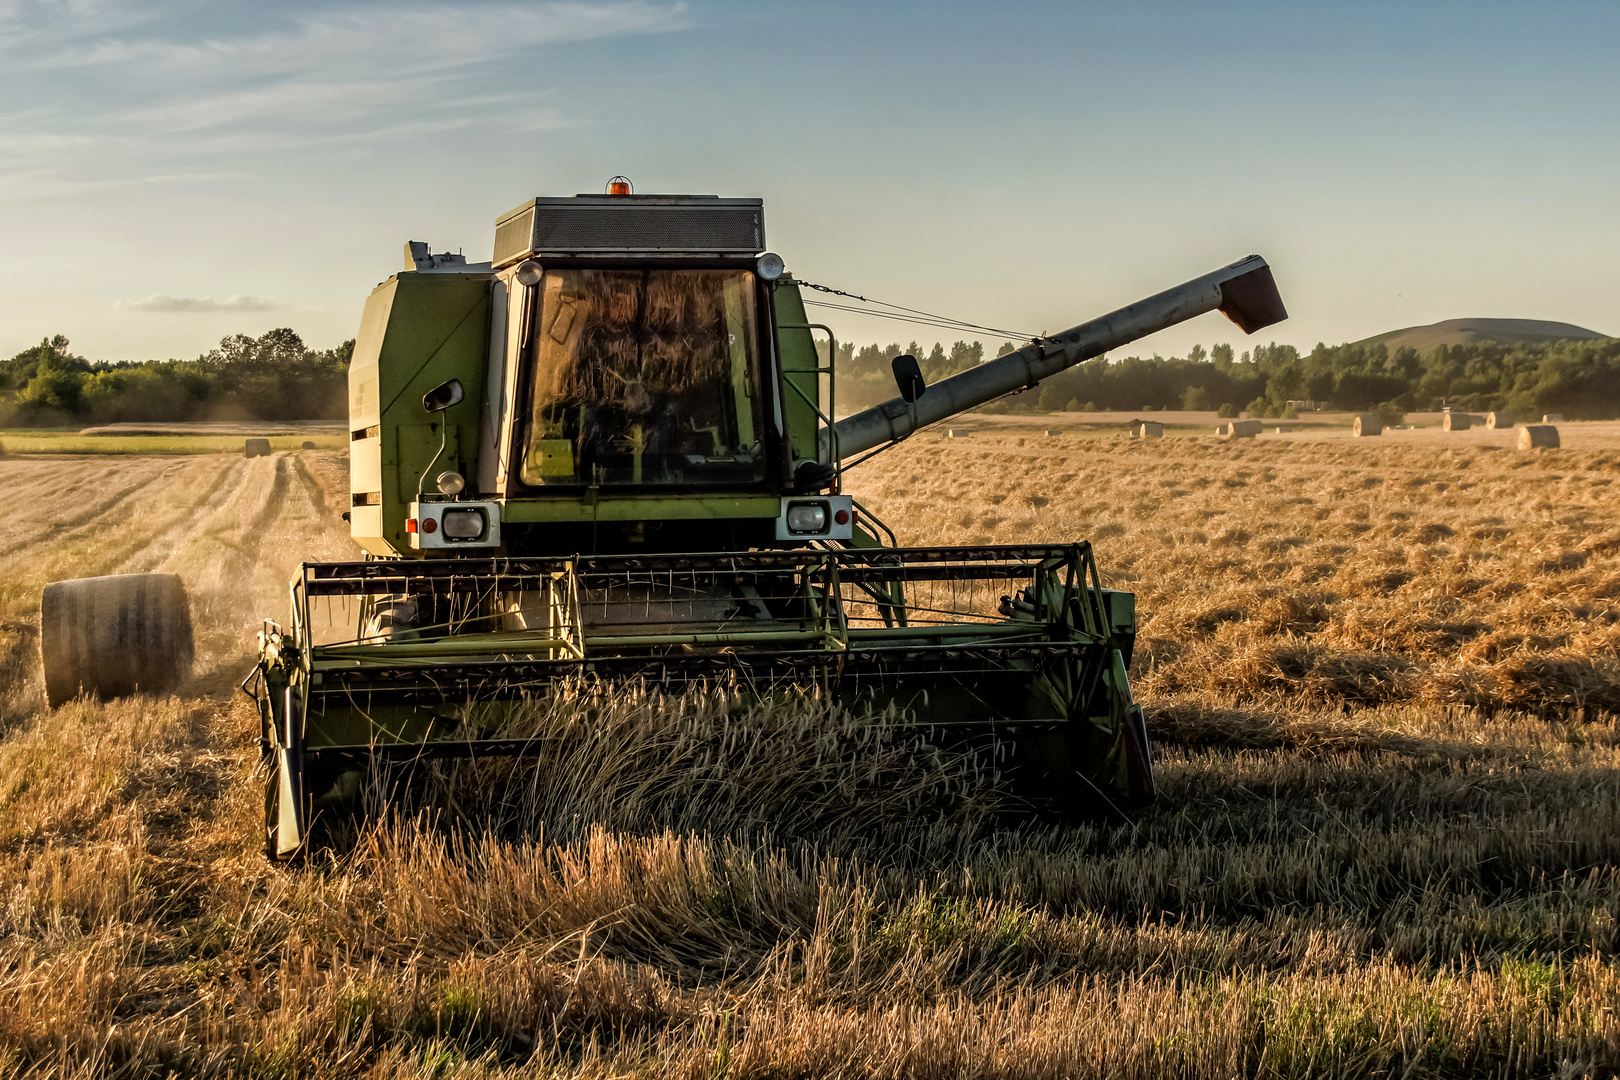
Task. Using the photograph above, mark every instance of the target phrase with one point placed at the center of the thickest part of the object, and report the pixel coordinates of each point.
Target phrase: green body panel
(801, 379)
(419, 330)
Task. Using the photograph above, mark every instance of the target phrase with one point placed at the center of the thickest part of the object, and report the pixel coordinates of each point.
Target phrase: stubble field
(1379, 674)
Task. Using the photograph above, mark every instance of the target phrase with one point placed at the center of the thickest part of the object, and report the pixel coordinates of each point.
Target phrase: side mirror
(443, 396)
(908, 377)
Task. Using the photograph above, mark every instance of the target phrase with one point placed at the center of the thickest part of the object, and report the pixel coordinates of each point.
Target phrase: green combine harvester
(613, 454)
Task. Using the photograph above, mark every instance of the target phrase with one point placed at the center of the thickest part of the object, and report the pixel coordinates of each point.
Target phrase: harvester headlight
(529, 273)
(807, 517)
(463, 524)
(769, 266)
(451, 482)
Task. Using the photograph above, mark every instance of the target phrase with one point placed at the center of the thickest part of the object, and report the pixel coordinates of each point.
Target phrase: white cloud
(411, 39)
(336, 80)
(163, 304)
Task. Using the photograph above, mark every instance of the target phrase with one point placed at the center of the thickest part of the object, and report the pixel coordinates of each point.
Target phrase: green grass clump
(38, 441)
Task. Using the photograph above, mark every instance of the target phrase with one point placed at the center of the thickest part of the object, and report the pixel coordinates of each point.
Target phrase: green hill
(1470, 331)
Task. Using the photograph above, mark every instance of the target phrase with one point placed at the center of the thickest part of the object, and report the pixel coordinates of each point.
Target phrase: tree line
(277, 377)
(1576, 378)
(272, 377)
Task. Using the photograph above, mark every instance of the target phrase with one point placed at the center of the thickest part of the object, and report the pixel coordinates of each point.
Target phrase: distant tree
(1227, 411)
(57, 384)
(1196, 399)
(16, 372)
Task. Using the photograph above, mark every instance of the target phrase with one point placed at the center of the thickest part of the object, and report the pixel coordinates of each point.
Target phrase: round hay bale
(1053, 433)
(1552, 418)
(256, 448)
(1499, 421)
(308, 445)
(1537, 437)
(112, 636)
(1148, 429)
(1285, 429)
(1453, 421)
(1367, 424)
(1223, 429)
(1243, 429)
(957, 433)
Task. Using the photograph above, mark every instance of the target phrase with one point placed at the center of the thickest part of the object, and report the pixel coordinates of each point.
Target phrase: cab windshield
(644, 377)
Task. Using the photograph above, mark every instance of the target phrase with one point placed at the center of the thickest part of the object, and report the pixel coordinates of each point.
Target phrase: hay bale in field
(113, 636)
(1052, 433)
(1367, 424)
(1147, 429)
(1537, 437)
(1451, 421)
(1243, 429)
(957, 433)
(256, 448)
(1285, 429)
(308, 445)
(1223, 429)
(1499, 421)
(1552, 418)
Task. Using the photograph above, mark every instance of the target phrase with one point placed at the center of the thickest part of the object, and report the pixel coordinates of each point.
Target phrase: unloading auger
(610, 454)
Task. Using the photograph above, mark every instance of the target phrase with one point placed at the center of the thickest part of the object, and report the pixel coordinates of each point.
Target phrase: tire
(113, 636)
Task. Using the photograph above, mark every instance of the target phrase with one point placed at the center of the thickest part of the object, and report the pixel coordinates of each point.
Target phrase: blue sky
(172, 172)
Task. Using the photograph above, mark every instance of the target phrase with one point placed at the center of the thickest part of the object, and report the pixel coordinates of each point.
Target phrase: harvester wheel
(112, 636)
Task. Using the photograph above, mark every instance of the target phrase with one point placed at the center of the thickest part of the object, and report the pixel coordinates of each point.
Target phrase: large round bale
(1366, 424)
(1246, 429)
(1538, 437)
(115, 635)
(256, 448)
(1500, 421)
(1147, 429)
(308, 445)
(1223, 429)
(1454, 421)
(1552, 418)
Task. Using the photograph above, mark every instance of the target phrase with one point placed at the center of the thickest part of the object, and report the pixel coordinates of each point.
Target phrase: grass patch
(46, 441)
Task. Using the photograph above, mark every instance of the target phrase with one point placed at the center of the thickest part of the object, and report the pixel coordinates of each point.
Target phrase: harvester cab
(612, 454)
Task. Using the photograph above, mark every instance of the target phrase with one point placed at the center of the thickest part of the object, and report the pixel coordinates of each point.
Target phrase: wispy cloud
(260, 82)
(164, 304)
(415, 38)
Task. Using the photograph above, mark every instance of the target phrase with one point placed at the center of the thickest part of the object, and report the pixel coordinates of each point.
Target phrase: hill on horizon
(1469, 331)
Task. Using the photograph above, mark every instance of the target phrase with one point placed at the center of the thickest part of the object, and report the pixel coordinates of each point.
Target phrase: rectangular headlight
(807, 517)
(463, 524)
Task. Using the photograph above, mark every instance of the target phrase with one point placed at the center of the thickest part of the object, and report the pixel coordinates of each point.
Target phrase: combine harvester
(610, 454)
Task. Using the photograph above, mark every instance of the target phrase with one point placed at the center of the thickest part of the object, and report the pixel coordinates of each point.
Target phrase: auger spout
(1244, 291)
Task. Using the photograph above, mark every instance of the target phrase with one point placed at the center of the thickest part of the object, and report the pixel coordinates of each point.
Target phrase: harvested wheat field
(1382, 679)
